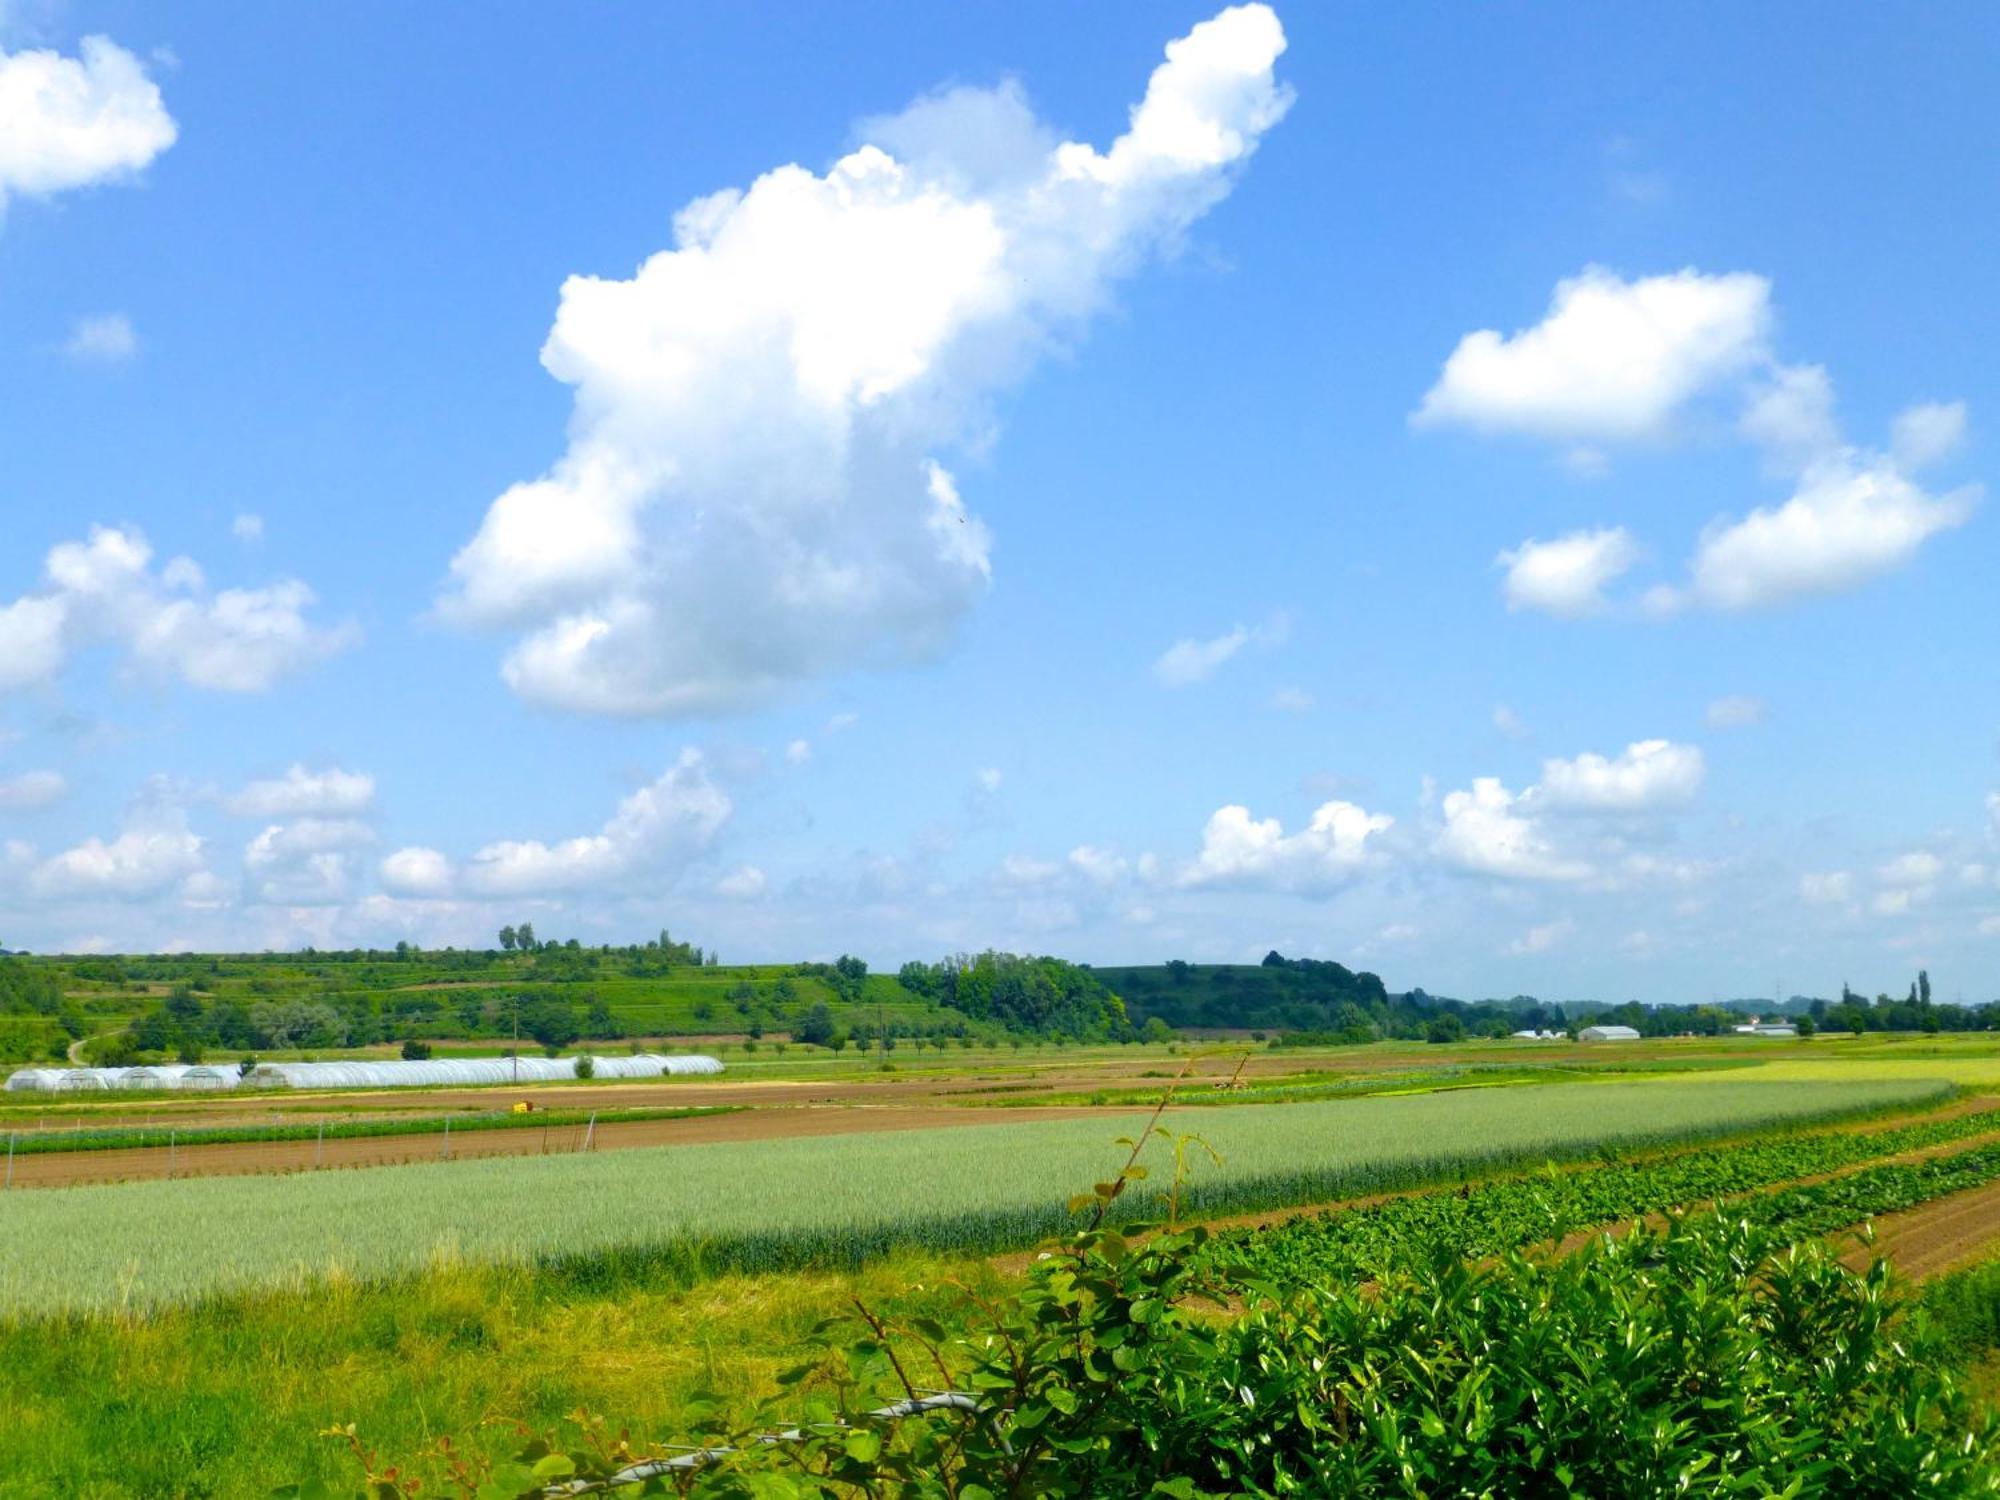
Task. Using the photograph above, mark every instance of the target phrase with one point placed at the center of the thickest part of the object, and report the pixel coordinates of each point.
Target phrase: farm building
(1532, 1035)
(1766, 1028)
(1607, 1034)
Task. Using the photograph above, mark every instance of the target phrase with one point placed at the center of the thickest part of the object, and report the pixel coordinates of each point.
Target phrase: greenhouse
(357, 1074)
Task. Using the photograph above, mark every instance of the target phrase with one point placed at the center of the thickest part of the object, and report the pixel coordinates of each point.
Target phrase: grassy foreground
(827, 1202)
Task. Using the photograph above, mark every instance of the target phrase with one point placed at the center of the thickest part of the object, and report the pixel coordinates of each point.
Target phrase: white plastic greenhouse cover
(357, 1075)
(45, 1079)
(159, 1076)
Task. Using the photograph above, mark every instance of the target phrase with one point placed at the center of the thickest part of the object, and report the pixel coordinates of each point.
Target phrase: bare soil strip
(1936, 1237)
(70, 1168)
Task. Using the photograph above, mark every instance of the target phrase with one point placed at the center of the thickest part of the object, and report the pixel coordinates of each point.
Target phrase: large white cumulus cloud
(755, 489)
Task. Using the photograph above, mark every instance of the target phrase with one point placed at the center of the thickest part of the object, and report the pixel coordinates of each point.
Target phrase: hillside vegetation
(1328, 1002)
(128, 1008)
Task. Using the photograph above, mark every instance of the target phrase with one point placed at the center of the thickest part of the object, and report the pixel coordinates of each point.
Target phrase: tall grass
(691, 1211)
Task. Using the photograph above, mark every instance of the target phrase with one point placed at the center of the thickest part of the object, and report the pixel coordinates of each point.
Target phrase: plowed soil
(1936, 1237)
(68, 1168)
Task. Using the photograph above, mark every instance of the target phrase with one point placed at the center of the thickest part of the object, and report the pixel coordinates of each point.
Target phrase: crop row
(1495, 1217)
(135, 1137)
(608, 1219)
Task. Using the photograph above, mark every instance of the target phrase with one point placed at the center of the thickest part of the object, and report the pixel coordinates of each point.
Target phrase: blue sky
(1489, 496)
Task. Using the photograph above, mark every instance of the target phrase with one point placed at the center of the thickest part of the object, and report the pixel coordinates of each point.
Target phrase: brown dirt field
(71, 1168)
(1936, 1237)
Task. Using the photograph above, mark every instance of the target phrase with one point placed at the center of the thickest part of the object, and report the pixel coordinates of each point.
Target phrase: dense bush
(1704, 1359)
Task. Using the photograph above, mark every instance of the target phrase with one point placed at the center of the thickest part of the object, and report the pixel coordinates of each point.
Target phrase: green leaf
(863, 1446)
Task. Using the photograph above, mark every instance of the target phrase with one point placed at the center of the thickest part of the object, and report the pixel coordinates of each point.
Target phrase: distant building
(1538, 1036)
(1766, 1028)
(1607, 1034)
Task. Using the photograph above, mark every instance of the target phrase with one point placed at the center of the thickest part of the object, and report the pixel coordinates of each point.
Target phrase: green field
(830, 1201)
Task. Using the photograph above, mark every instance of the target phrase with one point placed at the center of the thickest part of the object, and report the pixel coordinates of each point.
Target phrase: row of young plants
(1298, 1088)
(1712, 1357)
(1495, 1217)
(132, 1137)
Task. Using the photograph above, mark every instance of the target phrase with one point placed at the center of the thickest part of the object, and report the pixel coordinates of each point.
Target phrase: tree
(549, 1021)
(508, 937)
(1445, 1028)
(1923, 986)
(524, 937)
(416, 1051)
(815, 1027)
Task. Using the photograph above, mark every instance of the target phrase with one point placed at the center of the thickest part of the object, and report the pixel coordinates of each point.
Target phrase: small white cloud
(1541, 939)
(416, 871)
(247, 527)
(798, 752)
(1851, 519)
(1190, 661)
(205, 891)
(840, 723)
(30, 790)
(1292, 700)
(1508, 722)
(331, 793)
(106, 339)
(1649, 775)
(1025, 872)
(660, 827)
(67, 122)
(105, 591)
(1736, 711)
(1922, 435)
(1826, 888)
(989, 779)
(1917, 868)
(304, 863)
(1612, 359)
(1099, 866)
(1792, 416)
(154, 851)
(1238, 850)
(1567, 576)
(745, 883)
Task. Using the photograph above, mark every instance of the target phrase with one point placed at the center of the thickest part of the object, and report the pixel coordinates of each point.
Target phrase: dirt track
(69, 1168)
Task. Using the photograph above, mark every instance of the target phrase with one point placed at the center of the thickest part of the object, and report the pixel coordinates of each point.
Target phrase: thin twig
(1152, 1123)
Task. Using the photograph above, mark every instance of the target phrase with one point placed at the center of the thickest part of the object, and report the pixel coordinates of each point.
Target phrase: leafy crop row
(1494, 1217)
